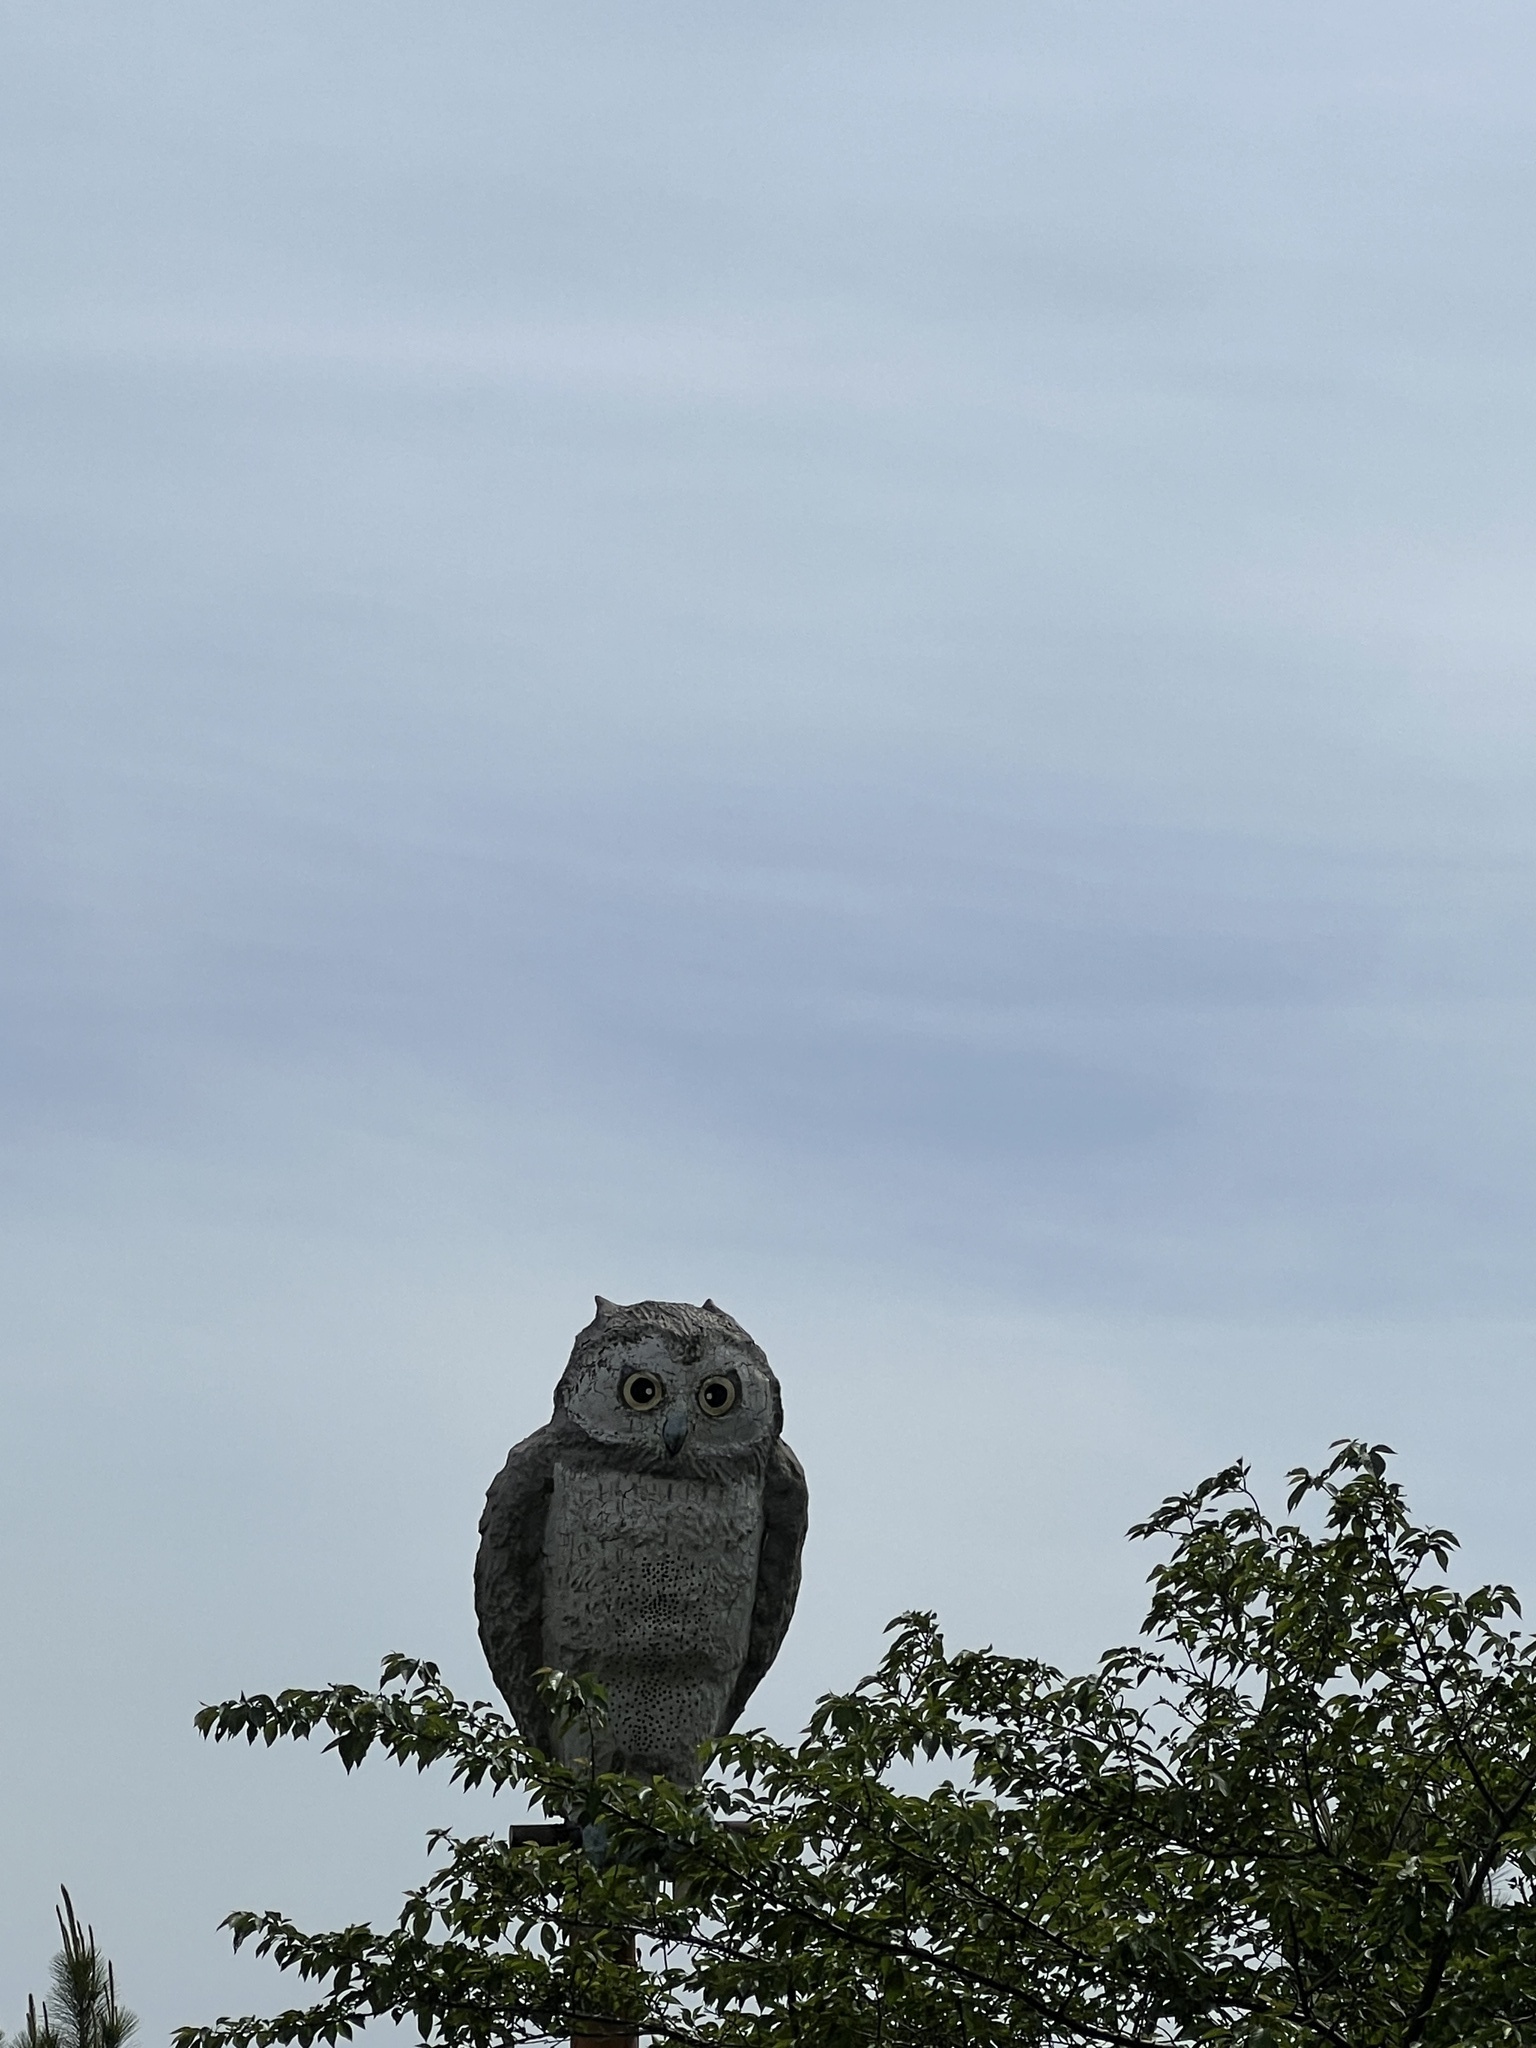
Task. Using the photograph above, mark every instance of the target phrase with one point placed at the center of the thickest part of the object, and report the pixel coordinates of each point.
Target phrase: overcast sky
(872, 659)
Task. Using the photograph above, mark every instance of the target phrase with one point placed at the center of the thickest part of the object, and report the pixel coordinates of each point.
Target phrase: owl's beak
(674, 1430)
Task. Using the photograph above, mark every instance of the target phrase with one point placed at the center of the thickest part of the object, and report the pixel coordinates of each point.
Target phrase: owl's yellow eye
(717, 1396)
(641, 1391)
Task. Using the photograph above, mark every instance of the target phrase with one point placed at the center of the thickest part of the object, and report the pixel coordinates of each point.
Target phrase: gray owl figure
(649, 1535)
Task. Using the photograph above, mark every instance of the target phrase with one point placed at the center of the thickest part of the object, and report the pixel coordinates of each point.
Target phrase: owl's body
(649, 1535)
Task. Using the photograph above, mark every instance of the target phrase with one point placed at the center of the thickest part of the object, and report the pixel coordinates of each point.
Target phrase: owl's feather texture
(509, 1579)
(786, 1500)
(653, 1543)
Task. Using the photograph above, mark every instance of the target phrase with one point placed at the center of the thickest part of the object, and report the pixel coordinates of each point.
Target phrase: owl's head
(665, 1385)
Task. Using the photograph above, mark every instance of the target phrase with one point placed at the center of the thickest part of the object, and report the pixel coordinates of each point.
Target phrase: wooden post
(603, 2035)
(600, 2034)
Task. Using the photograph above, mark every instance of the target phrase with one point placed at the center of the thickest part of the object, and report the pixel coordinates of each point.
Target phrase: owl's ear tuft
(605, 1307)
(713, 1306)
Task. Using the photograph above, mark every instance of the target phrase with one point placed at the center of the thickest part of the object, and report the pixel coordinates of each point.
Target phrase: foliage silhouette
(1298, 1810)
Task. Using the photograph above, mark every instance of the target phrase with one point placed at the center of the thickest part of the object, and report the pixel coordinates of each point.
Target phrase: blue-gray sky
(875, 660)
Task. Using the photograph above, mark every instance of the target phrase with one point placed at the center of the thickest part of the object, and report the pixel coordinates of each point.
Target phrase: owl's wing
(509, 1579)
(786, 1510)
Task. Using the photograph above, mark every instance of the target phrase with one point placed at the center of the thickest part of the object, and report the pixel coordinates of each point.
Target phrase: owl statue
(649, 1535)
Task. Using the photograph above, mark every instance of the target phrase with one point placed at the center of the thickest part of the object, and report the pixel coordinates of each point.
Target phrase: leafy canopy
(1297, 1810)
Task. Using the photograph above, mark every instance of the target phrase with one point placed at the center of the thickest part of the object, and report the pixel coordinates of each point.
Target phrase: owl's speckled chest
(649, 1582)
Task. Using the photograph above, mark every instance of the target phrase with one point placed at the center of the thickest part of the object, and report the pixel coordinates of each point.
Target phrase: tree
(1297, 1810)
(85, 2011)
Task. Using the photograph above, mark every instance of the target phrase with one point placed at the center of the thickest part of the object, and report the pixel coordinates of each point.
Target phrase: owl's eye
(641, 1391)
(717, 1396)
